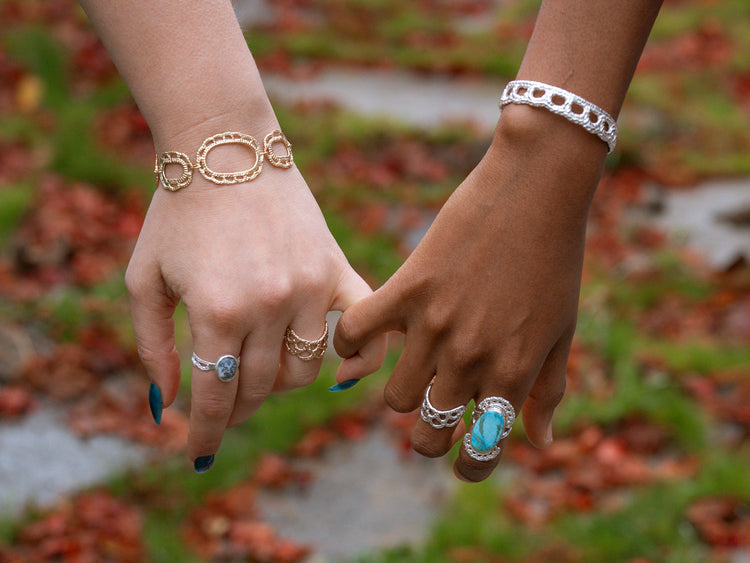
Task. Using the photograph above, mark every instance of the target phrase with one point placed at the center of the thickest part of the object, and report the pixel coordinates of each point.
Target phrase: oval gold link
(230, 138)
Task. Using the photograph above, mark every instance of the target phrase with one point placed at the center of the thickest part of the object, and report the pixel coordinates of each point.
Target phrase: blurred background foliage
(651, 457)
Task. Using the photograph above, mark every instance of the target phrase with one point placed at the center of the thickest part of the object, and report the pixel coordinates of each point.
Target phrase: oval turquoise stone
(487, 431)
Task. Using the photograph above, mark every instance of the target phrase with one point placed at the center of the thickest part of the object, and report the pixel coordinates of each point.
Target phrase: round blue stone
(487, 431)
(226, 368)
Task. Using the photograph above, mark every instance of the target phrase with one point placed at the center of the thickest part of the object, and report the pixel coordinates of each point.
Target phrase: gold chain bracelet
(222, 178)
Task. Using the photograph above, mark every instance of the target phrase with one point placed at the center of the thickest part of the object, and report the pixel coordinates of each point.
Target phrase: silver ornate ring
(225, 366)
(440, 419)
(303, 349)
(492, 420)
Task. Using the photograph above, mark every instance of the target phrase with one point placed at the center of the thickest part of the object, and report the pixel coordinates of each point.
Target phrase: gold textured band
(222, 178)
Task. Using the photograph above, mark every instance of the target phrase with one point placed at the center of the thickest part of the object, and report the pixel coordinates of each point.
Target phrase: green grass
(15, 201)
(652, 523)
(474, 519)
(36, 49)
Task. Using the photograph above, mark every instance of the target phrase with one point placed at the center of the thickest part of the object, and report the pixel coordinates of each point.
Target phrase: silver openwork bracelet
(573, 108)
(222, 178)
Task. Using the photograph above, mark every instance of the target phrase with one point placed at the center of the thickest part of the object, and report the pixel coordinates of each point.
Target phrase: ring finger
(482, 446)
(304, 342)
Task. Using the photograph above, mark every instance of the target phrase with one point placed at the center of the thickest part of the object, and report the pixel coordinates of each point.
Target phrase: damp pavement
(42, 460)
(364, 496)
(404, 97)
(712, 218)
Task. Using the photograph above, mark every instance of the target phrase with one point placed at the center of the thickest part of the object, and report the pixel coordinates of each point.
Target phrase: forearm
(590, 47)
(187, 66)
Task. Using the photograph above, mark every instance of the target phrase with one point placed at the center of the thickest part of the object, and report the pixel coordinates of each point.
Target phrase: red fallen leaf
(226, 526)
(370, 219)
(728, 399)
(708, 46)
(274, 471)
(16, 162)
(124, 412)
(642, 437)
(105, 354)
(255, 538)
(285, 551)
(91, 62)
(721, 521)
(91, 527)
(124, 130)
(314, 442)
(73, 234)
(64, 374)
(736, 323)
(352, 426)
(589, 470)
(650, 238)
(15, 401)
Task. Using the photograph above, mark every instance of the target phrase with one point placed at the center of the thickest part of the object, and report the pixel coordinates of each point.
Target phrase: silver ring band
(304, 349)
(440, 419)
(225, 366)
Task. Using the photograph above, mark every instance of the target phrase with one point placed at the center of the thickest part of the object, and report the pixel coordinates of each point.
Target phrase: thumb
(360, 336)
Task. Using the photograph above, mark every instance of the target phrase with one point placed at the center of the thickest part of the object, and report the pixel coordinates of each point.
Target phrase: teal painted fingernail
(155, 402)
(203, 463)
(344, 385)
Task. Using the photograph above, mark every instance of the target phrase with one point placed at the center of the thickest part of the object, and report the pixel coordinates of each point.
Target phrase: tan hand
(488, 300)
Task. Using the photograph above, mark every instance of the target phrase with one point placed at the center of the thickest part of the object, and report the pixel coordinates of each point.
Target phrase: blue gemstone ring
(493, 419)
(225, 366)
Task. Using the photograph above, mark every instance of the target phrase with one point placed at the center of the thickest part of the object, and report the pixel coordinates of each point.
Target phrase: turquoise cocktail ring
(226, 366)
(493, 419)
(440, 419)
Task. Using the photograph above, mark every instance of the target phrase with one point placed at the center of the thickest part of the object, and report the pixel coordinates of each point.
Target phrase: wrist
(549, 142)
(253, 115)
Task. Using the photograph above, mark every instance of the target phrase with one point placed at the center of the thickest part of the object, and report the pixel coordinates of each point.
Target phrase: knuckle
(299, 379)
(399, 398)
(436, 321)
(346, 328)
(274, 295)
(551, 396)
(251, 397)
(517, 369)
(428, 449)
(430, 443)
(212, 409)
(135, 281)
(311, 279)
(148, 354)
(222, 311)
(465, 357)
